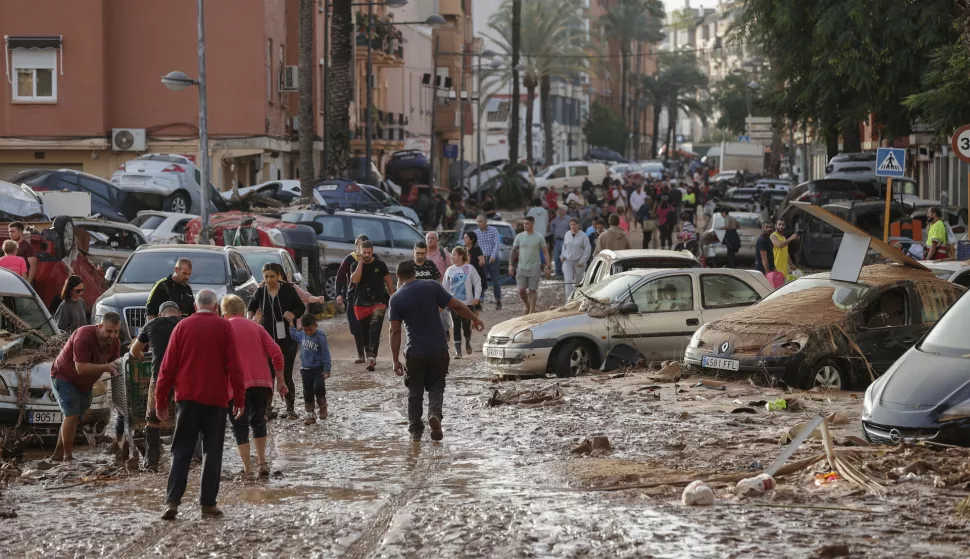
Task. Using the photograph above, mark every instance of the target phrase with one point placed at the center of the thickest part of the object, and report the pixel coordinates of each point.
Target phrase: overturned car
(817, 331)
(29, 342)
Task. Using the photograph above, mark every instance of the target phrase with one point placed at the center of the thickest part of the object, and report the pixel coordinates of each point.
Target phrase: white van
(570, 174)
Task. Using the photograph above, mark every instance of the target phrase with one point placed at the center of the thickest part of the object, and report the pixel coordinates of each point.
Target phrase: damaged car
(640, 314)
(926, 393)
(817, 331)
(29, 341)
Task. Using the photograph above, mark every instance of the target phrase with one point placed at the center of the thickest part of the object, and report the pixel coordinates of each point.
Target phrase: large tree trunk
(655, 140)
(776, 147)
(516, 47)
(545, 92)
(671, 131)
(624, 70)
(341, 87)
(831, 141)
(636, 126)
(530, 89)
(306, 100)
(851, 138)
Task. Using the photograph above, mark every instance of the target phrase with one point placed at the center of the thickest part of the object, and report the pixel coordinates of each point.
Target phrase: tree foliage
(629, 22)
(605, 128)
(734, 96)
(943, 103)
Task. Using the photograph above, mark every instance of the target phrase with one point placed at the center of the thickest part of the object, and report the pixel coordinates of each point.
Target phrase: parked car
(626, 172)
(505, 230)
(111, 243)
(749, 229)
(221, 269)
(19, 203)
(654, 312)
(160, 226)
(758, 200)
(820, 242)
(166, 182)
(816, 331)
(926, 392)
(393, 237)
(409, 178)
(489, 175)
(258, 256)
(610, 262)
(342, 194)
(821, 192)
(285, 191)
(392, 207)
(775, 184)
(570, 174)
(851, 162)
(41, 412)
(653, 170)
(953, 271)
(107, 200)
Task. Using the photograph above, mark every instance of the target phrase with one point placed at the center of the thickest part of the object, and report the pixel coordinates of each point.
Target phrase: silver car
(749, 229)
(652, 312)
(610, 262)
(111, 243)
(166, 182)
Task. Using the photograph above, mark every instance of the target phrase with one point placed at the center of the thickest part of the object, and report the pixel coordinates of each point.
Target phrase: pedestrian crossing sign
(890, 162)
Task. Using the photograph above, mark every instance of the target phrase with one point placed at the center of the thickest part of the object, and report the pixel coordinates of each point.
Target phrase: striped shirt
(490, 241)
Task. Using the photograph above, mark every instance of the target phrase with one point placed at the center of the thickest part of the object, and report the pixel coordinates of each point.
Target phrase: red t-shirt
(25, 250)
(83, 347)
(14, 263)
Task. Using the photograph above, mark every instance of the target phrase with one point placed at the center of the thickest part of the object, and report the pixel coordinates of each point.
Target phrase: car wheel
(573, 359)
(178, 202)
(330, 287)
(64, 227)
(828, 374)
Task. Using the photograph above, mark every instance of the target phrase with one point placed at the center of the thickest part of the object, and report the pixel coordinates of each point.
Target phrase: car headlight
(276, 237)
(99, 389)
(523, 337)
(786, 346)
(959, 411)
(100, 310)
(695, 340)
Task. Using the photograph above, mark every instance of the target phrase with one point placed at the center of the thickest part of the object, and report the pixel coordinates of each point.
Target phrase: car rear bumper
(517, 360)
(150, 188)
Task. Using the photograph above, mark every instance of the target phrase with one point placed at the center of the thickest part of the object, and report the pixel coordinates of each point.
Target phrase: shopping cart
(129, 394)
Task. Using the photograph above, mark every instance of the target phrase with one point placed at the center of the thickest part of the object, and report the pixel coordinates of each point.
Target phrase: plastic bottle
(698, 493)
(755, 485)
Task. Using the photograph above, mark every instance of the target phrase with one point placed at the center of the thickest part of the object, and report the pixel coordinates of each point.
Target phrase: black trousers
(355, 330)
(647, 236)
(196, 419)
(425, 374)
(289, 347)
(370, 332)
(254, 416)
(314, 387)
(461, 325)
(666, 232)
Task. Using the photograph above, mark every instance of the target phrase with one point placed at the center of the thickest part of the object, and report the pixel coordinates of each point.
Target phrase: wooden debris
(533, 397)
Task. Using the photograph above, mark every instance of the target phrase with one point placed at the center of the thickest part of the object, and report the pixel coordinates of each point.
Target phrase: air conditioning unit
(128, 139)
(291, 78)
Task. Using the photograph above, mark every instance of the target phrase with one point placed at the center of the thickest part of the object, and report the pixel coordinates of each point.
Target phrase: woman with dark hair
(475, 257)
(274, 305)
(70, 313)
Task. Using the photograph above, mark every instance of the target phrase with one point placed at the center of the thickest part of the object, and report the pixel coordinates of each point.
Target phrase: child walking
(463, 283)
(314, 365)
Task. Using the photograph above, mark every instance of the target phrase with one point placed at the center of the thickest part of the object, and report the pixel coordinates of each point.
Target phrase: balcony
(387, 42)
(446, 118)
(449, 40)
(388, 132)
(450, 7)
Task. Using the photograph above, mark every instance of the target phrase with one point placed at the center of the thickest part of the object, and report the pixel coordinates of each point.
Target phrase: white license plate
(495, 352)
(44, 417)
(719, 363)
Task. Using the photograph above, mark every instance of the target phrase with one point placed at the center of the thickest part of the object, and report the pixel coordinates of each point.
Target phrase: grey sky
(679, 4)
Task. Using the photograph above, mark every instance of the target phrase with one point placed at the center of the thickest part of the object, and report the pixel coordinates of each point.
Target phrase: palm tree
(682, 79)
(306, 100)
(630, 22)
(515, 44)
(341, 87)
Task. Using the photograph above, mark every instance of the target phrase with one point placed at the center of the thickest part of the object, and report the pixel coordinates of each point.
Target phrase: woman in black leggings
(274, 305)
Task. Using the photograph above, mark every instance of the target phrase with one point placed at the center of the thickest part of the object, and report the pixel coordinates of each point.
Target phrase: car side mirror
(241, 276)
(629, 308)
(111, 275)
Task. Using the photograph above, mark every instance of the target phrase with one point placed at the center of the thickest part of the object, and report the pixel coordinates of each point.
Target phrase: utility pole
(434, 102)
(203, 132)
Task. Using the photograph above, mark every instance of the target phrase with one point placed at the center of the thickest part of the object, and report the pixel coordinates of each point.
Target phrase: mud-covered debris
(835, 550)
(837, 418)
(744, 410)
(684, 415)
(711, 384)
(597, 444)
(527, 398)
(8, 514)
(697, 493)
(672, 371)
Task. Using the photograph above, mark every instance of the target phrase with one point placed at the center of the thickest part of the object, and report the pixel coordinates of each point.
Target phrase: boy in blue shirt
(314, 365)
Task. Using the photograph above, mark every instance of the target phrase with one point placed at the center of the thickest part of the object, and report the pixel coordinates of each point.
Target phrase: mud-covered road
(504, 483)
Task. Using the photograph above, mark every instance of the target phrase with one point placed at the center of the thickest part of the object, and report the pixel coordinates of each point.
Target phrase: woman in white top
(575, 253)
(464, 284)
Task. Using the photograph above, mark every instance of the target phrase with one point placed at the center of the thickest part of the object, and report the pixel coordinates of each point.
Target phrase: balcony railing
(386, 38)
(390, 127)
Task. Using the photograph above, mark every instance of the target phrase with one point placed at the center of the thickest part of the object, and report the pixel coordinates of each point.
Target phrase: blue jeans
(71, 400)
(492, 271)
(556, 253)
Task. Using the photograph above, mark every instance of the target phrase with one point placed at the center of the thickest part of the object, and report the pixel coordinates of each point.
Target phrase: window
(281, 72)
(670, 294)
(333, 229)
(936, 301)
(373, 228)
(148, 221)
(288, 268)
(963, 280)
(558, 173)
(179, 227)
(404, 236)
(889, 310)
(236, 262)
(579, 171)
(96, 188)
(720, 291)
(34, 75)
(269, 71)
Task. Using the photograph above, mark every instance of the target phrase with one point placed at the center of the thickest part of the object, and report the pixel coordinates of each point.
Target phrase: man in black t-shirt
(764, 252)
(374, 288)
(155, 334)
(424, 269)
(174, 288)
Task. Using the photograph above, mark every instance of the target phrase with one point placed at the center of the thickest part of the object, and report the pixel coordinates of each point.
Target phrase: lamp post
(177, 81)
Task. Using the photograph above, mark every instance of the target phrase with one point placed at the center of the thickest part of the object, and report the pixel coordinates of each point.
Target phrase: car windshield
(949, 335)
(148, 221)
(845, 296)
(151, 266)
(613, 287)
(30, 312)
(653, 167)
(653, 263)
(257, 259)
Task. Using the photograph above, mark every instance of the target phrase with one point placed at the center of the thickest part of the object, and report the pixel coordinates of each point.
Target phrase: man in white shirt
(541, 216)
(576, 249)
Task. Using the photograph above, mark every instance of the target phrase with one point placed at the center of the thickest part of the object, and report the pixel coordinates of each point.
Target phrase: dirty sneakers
(435, 423)
(371, 364)
(416, 437)
(322, 404)
(211, 511)
(468, 347)
(310, 420)
(171, 511)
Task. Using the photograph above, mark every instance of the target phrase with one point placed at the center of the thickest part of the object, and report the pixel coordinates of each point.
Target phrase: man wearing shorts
(526, 265)
(90, 352)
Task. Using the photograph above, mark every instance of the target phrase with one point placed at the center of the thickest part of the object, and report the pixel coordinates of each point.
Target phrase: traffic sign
(744, 139)
(960, 143)
(450, 151)
(890, 162)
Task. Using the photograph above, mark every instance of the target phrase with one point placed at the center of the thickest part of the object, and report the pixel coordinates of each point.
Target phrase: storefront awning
(33, 42)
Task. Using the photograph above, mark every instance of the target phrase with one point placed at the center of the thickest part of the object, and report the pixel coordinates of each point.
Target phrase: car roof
(190, 248)
(876, 275)
(257, 249)
(353, 213)
(951, 265)
(646, 253)
(644, 272)
(114, 224)
(87, 175)
(12, 284)
(165, 214)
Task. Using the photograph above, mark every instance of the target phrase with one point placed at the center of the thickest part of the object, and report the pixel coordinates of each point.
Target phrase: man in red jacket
(201, 362)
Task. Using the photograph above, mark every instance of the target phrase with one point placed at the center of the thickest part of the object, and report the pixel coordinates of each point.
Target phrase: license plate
(137, 179)
(495, 352)
(719, 363)
(44, 417)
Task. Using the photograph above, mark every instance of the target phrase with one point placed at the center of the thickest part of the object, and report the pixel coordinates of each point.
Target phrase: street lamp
(177, 81)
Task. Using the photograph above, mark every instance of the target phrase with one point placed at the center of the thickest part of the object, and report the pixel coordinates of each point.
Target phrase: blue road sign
(890, 162)
(744, 139)
(450, 151)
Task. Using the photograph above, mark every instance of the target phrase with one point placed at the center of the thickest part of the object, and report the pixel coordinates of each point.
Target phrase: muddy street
(504, 482)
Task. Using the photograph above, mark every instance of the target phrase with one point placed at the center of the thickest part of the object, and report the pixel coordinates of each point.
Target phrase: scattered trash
(827, 478)
(794, 404)
(671, 371)
(911, 476)
(756, 485)
(837, 418)
(836, 550)
(744, 410)
(697, 493)
(528, 397)
(756, 466)
(711, 384)
(777, 405)
(598, 444)
(8, 514)
(918, 467)
(737, 401)
(684, 415)
(758, 404)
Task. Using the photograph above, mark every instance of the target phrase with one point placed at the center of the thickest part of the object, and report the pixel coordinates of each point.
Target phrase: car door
(723, 294)
(336, 237)
(377, 233)
(889, 324)
(245, 290)
(557, 177)
(577, 174)
(100, 248)
(667, 318)
(591, 272)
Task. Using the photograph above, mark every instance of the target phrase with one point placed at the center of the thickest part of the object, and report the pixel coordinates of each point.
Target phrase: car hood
(121, 296)
(548, 324)
(40, 375)
(923, 380)
(19, 201)
(713, 339)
